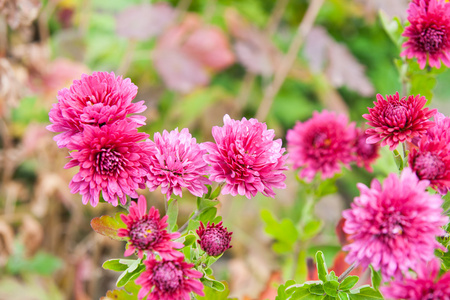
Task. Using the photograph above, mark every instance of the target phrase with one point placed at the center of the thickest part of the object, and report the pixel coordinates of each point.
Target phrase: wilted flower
(97, 100)
(214, 239)
(177, 162)
(246, 158)
(427, 284)
(394, 226)
(428, 33)
(169, 280)
(397, 120)
(147, 232)
(366, 153)
(320, 144)
(111, 160)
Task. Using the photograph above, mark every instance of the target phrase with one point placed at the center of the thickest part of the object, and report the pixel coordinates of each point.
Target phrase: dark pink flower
(431, 161)
(177, 162)
(111, 160)
(97, 100)
(169, 280)
(393, 227)
(147, 232)
(366, 154)
(425, 286)
(441, 129)
(246, 158)
(428, 33)
(321, 144)
(214, 239)
(397, 120)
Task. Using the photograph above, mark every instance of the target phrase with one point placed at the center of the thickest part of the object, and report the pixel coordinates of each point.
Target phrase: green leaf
(332, 276)
(311, 229)
(393, 28)
(108, 226)
(130, 292)
(189, 239)
(317, 289)
(446, 204)
(375, 277)
(131, 273)
(284, 232)
(343, 296)
(205, 203)
(281, 292)
(114, 265)
(321, 266)
(398, 160)
(207, 215)
(212, 283)
(213, 294)
(331, 288)
(216, 192)
(365, 293)
(348, 282)
(172, 212)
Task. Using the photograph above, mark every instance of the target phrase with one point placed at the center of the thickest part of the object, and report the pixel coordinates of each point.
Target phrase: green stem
(346, 272)
(183, 227)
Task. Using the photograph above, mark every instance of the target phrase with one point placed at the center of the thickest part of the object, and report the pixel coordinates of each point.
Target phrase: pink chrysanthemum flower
(169, 280)
(365, 153)
(320, 144)
(397, 120)
(246, 158)
(147, 232)
(214, 239)
(97, 100)
(431, 161)
(426, 286)
(111, 160)
(177, 163)
(394, 226)
(441, 129)
(428, 33)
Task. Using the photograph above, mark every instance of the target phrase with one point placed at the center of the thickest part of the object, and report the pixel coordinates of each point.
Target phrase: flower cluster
(428, 33)
(327, 141)
(394, 226)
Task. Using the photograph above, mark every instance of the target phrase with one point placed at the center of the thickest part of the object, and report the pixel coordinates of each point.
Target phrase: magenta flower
(426, 286)
(431, 161)
(214, 239)
(397, 120)
(177, 162)
(394, 226)
(246, 158)
(96, 100)
(169, 280)
(321, 144)
(111, 160)
(428, 33)
(147, 233)
(366, 154)
(441, 129)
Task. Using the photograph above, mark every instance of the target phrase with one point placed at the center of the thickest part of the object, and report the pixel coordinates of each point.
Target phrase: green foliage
(399, 160)
(130, 292)
(284, 232)
(135, 268)
(108, 226)
(115, 265)
(41, 263)
(214, 294)
(376, 278)
(328, 287)
(393, 28)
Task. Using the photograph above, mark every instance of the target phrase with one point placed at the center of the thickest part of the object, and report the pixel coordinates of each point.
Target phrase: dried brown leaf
(31, 234)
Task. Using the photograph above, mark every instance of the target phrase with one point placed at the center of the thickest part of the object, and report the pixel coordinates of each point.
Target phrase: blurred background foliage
(193, 61)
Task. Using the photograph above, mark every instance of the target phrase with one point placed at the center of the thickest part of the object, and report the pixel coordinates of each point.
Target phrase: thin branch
(286, 63)
(346, 272)
(128, 58)
(182, 228)
(276, 15)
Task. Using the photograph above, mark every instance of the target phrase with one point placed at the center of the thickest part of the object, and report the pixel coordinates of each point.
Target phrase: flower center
(167, 277)
(321, 140)
(431, 40)
(144, 233)
(396, 112)
(391, 224)
(429, 165)
(108, 162)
